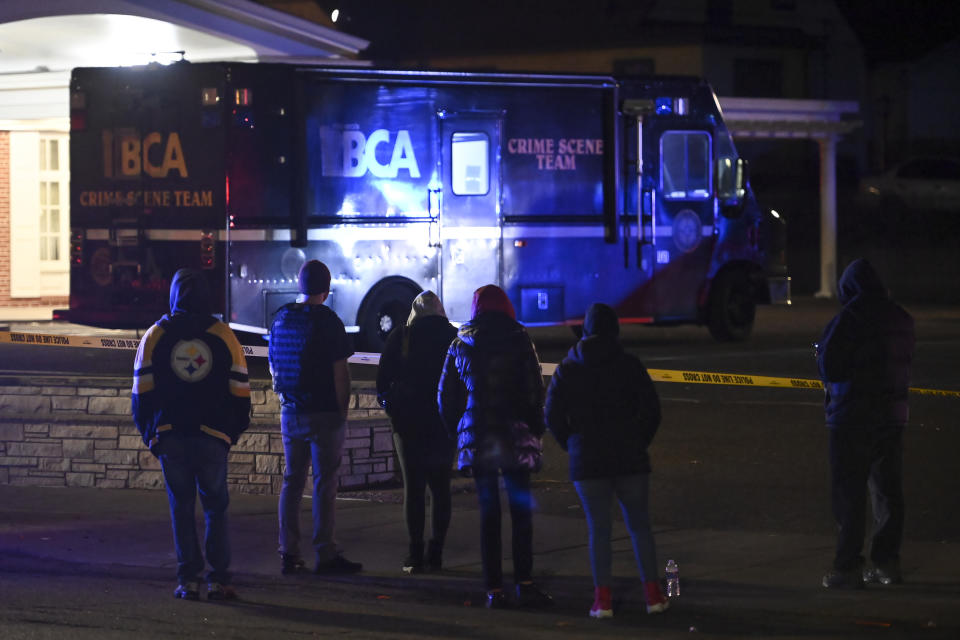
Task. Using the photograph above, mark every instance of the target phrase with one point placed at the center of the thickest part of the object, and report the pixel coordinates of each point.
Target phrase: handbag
(527, 448)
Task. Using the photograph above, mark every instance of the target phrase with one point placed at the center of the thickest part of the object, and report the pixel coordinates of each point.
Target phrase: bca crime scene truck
(562, 189)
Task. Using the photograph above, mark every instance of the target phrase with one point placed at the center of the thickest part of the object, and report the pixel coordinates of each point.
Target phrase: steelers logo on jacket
(191, 360)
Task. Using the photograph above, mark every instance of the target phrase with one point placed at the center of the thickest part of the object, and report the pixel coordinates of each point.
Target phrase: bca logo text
(127, 155)
(347, 153)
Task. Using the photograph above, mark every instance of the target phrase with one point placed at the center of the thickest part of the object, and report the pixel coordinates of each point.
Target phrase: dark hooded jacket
(491, 380)
(601, 404)
(190, 374)
(409, 375)
(865, 355)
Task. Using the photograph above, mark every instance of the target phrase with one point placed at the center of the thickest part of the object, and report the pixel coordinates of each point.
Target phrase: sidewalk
(734, 583)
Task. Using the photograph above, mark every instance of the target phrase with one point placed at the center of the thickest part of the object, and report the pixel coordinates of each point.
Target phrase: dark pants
(423, 467)
(190, 464)
(316, 438)
(521, 518)
(862, 459)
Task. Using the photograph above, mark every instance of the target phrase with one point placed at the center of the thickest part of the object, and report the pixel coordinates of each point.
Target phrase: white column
(828, 217)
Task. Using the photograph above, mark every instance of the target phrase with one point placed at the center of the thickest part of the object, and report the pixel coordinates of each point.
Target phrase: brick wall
(4, 217)
(78, 433)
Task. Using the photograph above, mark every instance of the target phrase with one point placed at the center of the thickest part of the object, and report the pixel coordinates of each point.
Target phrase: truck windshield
(685, 165)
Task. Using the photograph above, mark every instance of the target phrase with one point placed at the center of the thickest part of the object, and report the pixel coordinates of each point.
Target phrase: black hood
(190, 293)
(596, 350)
(601, 320)
(860, 279)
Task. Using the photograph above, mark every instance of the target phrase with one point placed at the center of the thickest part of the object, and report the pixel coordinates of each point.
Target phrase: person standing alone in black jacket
(604, 411)
(864, 359)
(407, 380)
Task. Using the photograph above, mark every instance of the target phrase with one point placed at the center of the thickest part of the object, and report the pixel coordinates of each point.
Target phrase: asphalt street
(739, 498)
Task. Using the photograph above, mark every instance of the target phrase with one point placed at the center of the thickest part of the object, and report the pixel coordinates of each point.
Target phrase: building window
(52, 184)
(757, 78)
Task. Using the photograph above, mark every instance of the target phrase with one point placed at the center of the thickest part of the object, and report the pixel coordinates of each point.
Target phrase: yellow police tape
(658, 375)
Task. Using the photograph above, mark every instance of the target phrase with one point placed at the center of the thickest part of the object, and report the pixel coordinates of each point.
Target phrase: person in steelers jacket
(190, 402)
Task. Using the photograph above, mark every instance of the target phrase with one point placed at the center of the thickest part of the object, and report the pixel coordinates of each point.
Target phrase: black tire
(732, 307)
(386, 307)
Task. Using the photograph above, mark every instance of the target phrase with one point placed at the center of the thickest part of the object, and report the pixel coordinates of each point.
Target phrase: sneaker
(530, 595)
(217, 591)
(836, 579)
(656, 601)
(187, 591)
(883, 574)
(412, 565)
(337, 565)
(602, 603)
(496, 599)
(292, 565)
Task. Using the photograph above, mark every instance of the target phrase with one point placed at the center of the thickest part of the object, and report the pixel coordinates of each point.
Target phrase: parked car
(918, 184)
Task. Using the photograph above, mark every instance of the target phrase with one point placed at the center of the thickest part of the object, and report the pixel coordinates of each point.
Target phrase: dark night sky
(901, 30)
(890, 30)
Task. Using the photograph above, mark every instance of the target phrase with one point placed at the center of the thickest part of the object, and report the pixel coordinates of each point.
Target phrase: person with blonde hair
(407, 381)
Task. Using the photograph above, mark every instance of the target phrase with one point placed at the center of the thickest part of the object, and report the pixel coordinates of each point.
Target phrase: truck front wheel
(732, 307)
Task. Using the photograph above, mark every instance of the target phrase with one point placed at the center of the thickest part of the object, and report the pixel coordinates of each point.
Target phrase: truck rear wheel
(386, 307)
(732, 307)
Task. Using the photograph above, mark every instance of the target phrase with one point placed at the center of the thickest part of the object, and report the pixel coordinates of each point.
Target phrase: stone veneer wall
(77, 432)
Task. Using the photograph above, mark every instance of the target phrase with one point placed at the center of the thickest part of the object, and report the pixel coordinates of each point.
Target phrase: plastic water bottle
(672, 574)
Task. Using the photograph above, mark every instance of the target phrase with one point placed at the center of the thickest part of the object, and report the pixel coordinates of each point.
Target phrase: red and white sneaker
(602, 603)
(656, 601)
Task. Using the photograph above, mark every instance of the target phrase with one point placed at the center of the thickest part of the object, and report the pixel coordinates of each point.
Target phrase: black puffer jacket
(415, 377)
(491, 380)
(603, 409)
(865, 355)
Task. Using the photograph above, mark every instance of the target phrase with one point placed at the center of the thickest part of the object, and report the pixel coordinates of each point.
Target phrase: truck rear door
(146, 187)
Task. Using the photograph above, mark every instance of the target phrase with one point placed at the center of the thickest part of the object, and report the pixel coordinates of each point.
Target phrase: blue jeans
(631, 492)
(307, 438)
(520, 498)
(193, 463)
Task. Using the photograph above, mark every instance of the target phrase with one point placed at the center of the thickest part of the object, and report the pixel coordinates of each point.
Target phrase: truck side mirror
(732, 176)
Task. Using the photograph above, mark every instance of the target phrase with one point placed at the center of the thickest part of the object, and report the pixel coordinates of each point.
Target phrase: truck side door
(683, 216)
(469, 208)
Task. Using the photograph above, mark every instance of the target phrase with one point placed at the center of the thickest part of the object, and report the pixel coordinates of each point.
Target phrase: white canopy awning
(40, 42)
(820, 120)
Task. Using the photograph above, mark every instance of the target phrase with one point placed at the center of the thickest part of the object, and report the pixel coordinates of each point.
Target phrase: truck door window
(685, 165)
(470, 162)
